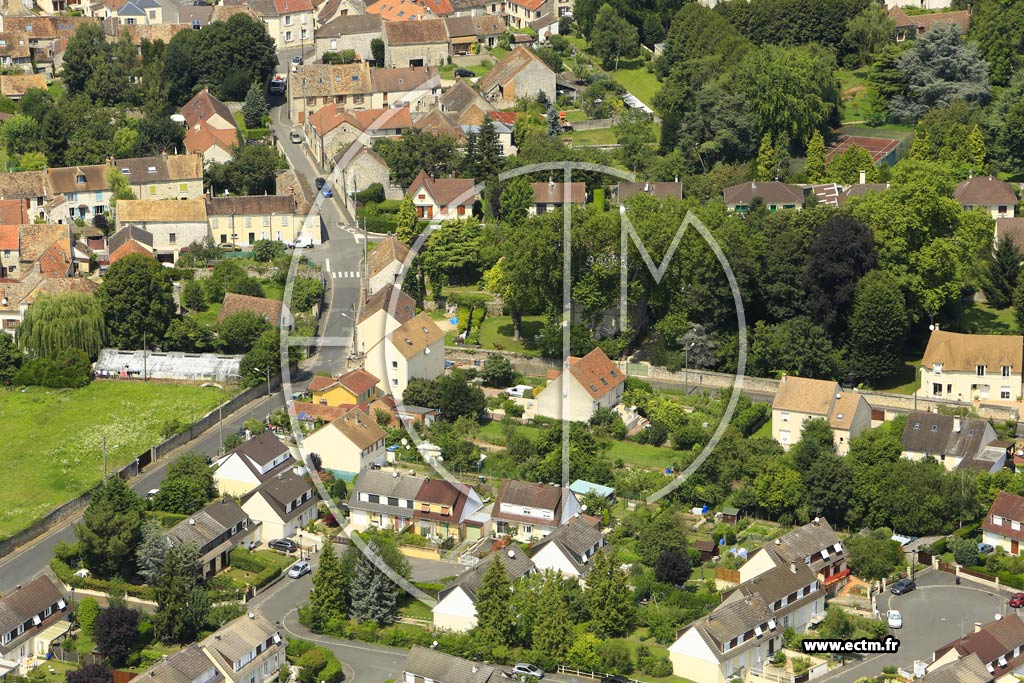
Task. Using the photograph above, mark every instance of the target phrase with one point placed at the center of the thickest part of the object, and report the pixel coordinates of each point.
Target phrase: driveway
(937, 613)
(433, 570)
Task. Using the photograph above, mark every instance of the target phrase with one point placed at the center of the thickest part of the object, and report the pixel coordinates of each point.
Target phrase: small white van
(518, 391)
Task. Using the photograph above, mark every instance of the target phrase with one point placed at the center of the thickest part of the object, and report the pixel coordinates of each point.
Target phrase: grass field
(54, 438)
(634, 77)
(853, 86)
(600, 136)
(496, 333)
(209, 316)
(983, 319)
(480, 68)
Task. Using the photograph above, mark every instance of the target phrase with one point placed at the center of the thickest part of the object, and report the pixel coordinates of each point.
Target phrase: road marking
(327, 264)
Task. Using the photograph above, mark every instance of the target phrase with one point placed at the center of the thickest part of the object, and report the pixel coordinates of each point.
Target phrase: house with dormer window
(1002, 525)
(569, 548)
(284, 504)
(956, 442)
(385, 500)
(414, 350)
(800, 399)
(216, 530)
(815, 544)
(250, 464)
(972, 367)
(999, 645)
(746, 630)
(591, 382)
(349, 444)
(526, 511)
(249, 649)
(31, 617)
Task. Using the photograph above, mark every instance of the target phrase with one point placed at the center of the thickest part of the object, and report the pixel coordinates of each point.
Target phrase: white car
(151, 494)
(894, 618)
(299, 569)
(531, 670)
(518, 391)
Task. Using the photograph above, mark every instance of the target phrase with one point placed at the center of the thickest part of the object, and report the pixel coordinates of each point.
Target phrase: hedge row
(306, 654)
(67, 575)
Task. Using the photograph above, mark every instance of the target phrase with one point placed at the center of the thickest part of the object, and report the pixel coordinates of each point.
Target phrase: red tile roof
(319, 383)
(269, 309)
(357, 381)
(1011, 509)
(445, 191)
(202, 137)
(129, 247)
(596, 372)
(13, 212)
(312, 411)
(293, 6)
(8, 237)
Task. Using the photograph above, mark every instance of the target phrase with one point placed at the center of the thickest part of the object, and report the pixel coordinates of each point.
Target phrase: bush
(655, 666)
(267, 250)
(88, 610)
(69, 369)
(374, 194)
(616, 657)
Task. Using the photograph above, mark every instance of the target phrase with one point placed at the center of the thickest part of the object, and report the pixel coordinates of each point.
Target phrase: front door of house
(1015, 547)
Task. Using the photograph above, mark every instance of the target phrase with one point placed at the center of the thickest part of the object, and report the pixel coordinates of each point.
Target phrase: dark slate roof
(282, 489)
(516, 564)
(807, 540)
(969, 669)
(21, 604)
(383, 300)
(130, 232)
(424, 663)
(263, 448)
(210, 522)
(575, 539)
(935, 434)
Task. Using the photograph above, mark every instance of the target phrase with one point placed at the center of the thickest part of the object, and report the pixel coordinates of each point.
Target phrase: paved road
(28, 562)
(340, 255)
(937, 613)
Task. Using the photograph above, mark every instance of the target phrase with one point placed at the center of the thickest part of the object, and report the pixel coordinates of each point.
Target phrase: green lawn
(905, 380)
(643, 455)
(853, 86)
(480, 68)
(634, 77)
(209, 316)
(496, 333)
(240, 578)
(497, 52)
(600, 136)
(272, 290)
(414, 609)
(983, 319)
(573, 115)
(53, 438)
(493, 432)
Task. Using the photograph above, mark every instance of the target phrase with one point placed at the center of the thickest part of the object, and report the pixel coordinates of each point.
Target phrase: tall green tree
(85, 50)
(841, 252)
(846, 167)
(111, 529)
(608, 597)
(56, 322)
(766, 169)
(137, 301)
(373, 597)
(878, 325)
(634, 132)
(816, 157)
(494, 618)
(251, 171)
(10, 359)
(406, 222)
(866, 33)
(516, 200)
(150, 554)
(182, 602)
(613, 37)
(255, 108)
(329, 599)
(1001, 272)
(552, 628)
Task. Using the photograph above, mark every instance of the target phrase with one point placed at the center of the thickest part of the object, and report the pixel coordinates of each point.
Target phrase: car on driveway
(522, 669)
(296, 61)
(227, 246)
(464, 73)
(299, 569)
(1017, 600)
(985, 549)
(894, 618)
(327, 192)
(902, 586)
(285, 545)
(320, 182)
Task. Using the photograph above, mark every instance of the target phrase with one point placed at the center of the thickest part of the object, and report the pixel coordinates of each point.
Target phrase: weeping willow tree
(56, 322)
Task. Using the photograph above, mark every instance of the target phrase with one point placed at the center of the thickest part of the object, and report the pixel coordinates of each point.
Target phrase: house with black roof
(252, 463)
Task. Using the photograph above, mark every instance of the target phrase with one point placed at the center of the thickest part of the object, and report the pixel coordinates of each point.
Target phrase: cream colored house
(384, 500)
(244, 220)
(443, 198)
(177, 176)
(814, 544)
(250, 464)
(956, 442)
(972, 367)
(30, 615)
(249, 649)
(997, 645)
(989, 194)
(569, 548)
(969, 669)
(295, 23)
(1002, 526)
(413, 350)
(591, 382)
(348, 445)
(284, 504)
(800, 399)
(387, 309)
(745, 631)
(386, 263)
(456, 605)
(526, 511)
(173, 224)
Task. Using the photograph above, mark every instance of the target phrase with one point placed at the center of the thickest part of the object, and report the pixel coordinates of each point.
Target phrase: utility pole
(220, 420)
(104, 457)
(144, 367)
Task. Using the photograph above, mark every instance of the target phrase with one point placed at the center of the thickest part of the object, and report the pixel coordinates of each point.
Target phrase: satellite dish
(178, 118)
(583, 508)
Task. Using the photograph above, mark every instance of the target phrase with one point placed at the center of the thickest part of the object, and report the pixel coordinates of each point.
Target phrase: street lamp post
(686, 368)
(300, 545)
(267, 372)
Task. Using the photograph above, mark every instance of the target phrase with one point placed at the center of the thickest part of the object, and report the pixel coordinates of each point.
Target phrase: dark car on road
(1017, 600)
(285, 545)
(903, 586)
(320, 182)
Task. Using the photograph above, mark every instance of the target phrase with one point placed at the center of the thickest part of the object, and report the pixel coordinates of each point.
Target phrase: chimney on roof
(956, 424)
(792, 567)
(863, 177)
(977, 626)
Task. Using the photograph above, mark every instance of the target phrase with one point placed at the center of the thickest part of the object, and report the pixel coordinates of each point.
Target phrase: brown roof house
(173, 224)
(251, 463)
(443, 198)
(814, 544)
(800, 399)
(246, 649)
(987, 193)
(972, 367)
(415, 349)
(245, 219)
(167, 176)
(386, 262)
(1002, 525)
(31, 617)
(746, 629)
(350, 444)
(568, 549)
(271, 310)
(910, 27)
(968, 669)
(456, 605)
(591, 382)
(333, 128)
(415, 43)
(999, 645)
(381, 314)
(520, 73)
(14, 87)
(551, 196)
(626, 190)
(311, 86)
(283, 504)
(463, 103)
(956, 442)
(527, 511)
(217, 529)
(212, 131)
(775, 195)
(414, 87)
(423, 664)
(1009, 227)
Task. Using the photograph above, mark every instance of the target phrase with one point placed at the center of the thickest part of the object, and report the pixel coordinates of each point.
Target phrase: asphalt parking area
(937, 613)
